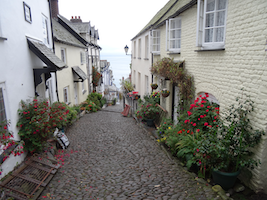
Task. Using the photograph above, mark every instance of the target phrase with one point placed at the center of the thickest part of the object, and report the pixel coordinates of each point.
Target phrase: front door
(76, 93)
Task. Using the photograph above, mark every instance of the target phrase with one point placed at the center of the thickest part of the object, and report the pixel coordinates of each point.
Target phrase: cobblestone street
(112, 157)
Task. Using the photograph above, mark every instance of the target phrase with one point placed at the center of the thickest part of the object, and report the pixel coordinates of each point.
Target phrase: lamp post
(126, 48)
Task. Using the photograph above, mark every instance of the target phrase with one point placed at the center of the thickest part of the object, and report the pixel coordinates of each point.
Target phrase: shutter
(200, 13)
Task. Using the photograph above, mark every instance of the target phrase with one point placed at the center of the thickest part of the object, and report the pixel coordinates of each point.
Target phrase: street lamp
(126, 48)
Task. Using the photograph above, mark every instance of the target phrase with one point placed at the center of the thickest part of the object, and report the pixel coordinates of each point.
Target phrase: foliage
(96, 76)
(95, 97)
(202, 115)
(153, 98)
(166, 124)
(165, 91)
(126, 86)
(177, 74)
(72, 115)
(147, 111)
(7, 141)
(38, 122)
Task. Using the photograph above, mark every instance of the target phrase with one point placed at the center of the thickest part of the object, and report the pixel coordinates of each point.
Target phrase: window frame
(201, 21)
(63, 52)
(157, 39)
(66, 98)
(82, 57)
(45, 30)
(139, 48)
(168, 34)
(146, 47)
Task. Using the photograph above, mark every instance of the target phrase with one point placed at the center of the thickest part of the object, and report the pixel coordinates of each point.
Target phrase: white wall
(17, 61)
(141, 65)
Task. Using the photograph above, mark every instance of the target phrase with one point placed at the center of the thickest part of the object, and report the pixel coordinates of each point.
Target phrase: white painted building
(223, 45)
(27, 62)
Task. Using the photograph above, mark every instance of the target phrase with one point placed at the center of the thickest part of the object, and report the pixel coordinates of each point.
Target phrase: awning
(45, 54)
(80, 73)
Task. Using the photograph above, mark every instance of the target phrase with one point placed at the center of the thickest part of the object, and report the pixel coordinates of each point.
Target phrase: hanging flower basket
(154, 86)
(165, 93)
(137, 97)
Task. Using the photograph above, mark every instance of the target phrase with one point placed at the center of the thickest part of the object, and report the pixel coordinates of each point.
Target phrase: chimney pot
(75, 17)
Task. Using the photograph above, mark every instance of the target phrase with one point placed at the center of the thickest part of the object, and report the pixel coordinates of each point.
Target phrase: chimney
(76, 20)
(54, 8)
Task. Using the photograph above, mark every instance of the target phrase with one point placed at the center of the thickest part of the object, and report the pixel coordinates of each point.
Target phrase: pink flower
(198, 130)
(201, 105)
(207, 110)
(206, 124)
(194, 124)
(197, 150)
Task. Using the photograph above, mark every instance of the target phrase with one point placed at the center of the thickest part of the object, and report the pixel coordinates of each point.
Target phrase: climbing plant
(96, 77)
(176, 72)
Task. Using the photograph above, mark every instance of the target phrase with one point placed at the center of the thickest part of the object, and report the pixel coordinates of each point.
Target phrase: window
(139, 48)
(146, 47)
(211, 23)
(63, 55)
(173, 32)
(155, 41)
(134, 49)
(82, 56)
(45, 30)
(50, 90)
(66, 94)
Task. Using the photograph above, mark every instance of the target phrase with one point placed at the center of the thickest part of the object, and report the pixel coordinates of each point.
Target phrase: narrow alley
(111, 157)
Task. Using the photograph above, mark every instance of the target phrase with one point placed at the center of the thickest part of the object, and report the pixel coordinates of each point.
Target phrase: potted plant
(227, 147)
(154, 86)
(165, 93)
(149, 112)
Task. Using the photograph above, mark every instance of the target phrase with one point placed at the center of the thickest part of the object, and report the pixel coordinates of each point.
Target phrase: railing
(163, 113)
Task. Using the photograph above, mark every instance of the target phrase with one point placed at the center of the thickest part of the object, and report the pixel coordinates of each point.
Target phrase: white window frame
(82, 57)
(201, 19)
(49, 83)
(45, 30)
(169, 38)
(146, 85)
(155, 41)
(139, 48)
(66, 97)
(63, 55)
(134, 49)
(146, 47)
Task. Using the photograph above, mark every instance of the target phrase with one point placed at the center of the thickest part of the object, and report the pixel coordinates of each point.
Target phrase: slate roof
(79, 72)
(64, 36)
(45, 54)
(158, 16)
(172, 9)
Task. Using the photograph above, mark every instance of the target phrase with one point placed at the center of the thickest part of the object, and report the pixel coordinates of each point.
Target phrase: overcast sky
(117, 21)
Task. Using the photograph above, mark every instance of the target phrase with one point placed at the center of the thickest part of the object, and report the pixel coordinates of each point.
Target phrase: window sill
(146, 58)
(3, 38)
(219, 49)
(139, 58)
(83, 91)
(156, 54)
(173, 52)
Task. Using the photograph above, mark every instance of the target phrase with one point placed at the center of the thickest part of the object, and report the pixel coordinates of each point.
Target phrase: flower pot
(150, 122)
(165, 94)
(225, 179)
(154, 87)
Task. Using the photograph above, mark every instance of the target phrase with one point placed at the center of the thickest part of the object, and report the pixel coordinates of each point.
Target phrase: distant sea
(119, 64)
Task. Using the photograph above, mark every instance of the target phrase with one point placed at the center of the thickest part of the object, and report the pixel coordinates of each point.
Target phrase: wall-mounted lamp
(126, 48)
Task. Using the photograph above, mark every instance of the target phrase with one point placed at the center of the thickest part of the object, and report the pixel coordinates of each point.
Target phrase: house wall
(17, 61)
(241, 65)
(141, 65)
(66, 78)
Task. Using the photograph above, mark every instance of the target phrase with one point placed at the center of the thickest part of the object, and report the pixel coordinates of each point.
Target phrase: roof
(172, 9)
(157, 17)
(64, 36)
(80, 73)
(45, 54)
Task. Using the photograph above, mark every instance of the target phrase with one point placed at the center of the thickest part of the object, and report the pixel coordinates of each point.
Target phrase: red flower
(207, 110)
(206, 124)
(198, 130)
(5, 127)
(189, 113)
(188, 131)
(194, 124)
(207, 94)
(201, 116)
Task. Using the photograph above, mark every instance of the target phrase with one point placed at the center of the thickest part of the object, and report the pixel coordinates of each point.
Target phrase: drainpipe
(53, 44)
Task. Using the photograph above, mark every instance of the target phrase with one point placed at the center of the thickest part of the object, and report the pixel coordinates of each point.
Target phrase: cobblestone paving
(111, 157)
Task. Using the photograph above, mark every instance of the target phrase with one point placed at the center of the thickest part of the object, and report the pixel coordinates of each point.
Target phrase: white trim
(3, 86)
(157, 38)
(45, 30)
(63, 56)
(169, 39)
(66, 100)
